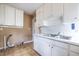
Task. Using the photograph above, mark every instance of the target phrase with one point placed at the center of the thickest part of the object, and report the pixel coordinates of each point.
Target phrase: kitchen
(51, 29)
(57, 29)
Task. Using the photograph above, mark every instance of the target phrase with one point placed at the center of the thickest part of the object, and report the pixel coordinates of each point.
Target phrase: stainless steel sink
(65, 37)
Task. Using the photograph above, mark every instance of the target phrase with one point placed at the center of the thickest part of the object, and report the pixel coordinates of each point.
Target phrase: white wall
(65, 29)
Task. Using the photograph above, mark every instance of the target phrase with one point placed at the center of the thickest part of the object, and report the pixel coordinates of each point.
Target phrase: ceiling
(29, 8)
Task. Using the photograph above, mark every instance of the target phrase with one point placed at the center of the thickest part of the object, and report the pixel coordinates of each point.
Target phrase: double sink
(65, 37)
(59, 36)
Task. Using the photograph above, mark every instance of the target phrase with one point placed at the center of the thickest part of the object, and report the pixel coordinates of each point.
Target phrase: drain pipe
(7, 39)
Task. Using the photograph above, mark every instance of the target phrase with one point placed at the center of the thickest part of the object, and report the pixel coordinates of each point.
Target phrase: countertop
(74, 41)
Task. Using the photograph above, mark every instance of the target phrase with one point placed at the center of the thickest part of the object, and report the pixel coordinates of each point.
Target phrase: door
(2, 14)
(19, 17)
(58, 51)
(9, 15)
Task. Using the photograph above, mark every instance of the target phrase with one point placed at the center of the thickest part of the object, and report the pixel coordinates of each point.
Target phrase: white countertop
(71, 41)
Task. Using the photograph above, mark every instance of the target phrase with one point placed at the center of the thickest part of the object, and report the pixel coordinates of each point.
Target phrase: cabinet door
(70, 12)
(35, 43)
(19, 17)
(2, 14)
(41, 46)
(57, 51)
(9, 15)
(74, 54)
(39, 16)
(44, 47)
(47, 10)
(57, 9)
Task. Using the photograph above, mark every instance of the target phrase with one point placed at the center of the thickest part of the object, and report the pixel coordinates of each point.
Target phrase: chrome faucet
(58, 34)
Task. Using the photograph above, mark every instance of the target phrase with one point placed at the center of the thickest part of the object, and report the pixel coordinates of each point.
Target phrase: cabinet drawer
(61, 44)
(74, 48)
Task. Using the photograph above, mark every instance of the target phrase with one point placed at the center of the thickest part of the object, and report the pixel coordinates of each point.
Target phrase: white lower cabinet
(42, 46)
(74, 50)
(74, 54)
(45, 48)
(58, 51)
(36, 43)
(50, 47)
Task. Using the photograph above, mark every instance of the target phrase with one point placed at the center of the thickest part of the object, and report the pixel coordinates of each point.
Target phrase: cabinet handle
(49, 45)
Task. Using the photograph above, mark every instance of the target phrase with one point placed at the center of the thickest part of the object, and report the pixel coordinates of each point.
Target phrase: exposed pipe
(7, 39)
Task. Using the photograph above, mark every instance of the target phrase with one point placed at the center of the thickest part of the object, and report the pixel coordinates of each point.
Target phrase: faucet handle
(58, 33)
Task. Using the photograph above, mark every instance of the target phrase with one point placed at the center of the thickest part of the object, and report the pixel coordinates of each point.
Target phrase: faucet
(58, 34)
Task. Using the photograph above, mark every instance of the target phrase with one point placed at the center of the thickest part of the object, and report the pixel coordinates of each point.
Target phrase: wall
(19, 34)
(28, 26)
(1, 38)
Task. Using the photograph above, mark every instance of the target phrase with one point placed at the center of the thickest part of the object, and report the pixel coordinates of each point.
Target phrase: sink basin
(51, 35)
(65, 37)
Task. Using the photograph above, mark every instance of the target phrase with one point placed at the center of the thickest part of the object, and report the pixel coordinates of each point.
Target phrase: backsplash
(65, 29)
(51, 30)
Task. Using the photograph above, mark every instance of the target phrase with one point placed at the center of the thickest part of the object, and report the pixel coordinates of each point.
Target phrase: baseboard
(28, 41)
(13, 45)
(36, 52)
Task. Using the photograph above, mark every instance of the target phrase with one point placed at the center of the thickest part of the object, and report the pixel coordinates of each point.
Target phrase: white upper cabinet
(49, 14)
(47, 10)
(71, 12)
(39, 16)
(9, 15)
(57, 9)
(56, 14)
(2, 14)
(19, 17)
